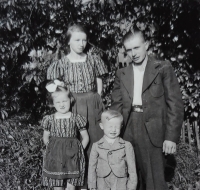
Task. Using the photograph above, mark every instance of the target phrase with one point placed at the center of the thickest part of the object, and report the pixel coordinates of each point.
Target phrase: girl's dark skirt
(91, 106)
(64, 162)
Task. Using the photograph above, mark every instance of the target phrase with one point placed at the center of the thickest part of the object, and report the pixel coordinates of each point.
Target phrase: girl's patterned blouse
(67, 127)
(79, 76)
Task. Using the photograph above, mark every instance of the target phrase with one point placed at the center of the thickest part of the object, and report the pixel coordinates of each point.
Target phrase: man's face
(136, 48)
(111, 127)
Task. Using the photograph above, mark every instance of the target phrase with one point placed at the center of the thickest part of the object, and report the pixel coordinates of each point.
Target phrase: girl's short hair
(60, 89)
(74, 27)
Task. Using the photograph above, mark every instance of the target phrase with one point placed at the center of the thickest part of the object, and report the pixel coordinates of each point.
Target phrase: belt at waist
(137, 108)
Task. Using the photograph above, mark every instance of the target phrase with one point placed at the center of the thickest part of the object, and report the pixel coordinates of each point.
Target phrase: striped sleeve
(55, 70)
(100, 67)
(81, 122)
(46, 124)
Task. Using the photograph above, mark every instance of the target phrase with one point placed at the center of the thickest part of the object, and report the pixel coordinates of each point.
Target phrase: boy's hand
(169, 147)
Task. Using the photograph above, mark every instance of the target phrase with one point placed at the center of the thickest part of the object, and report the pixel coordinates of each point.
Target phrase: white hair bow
(53, 86)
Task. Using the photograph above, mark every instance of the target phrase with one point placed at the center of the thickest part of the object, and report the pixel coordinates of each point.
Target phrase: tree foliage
(33, 35)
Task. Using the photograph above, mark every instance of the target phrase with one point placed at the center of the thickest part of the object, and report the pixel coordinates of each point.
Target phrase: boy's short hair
(110, 114)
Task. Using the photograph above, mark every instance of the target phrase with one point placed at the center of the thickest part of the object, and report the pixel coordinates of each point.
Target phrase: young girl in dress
(64, 161)
(82, 73)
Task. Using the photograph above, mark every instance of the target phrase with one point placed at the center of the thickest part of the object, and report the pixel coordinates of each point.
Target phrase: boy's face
(111, 127)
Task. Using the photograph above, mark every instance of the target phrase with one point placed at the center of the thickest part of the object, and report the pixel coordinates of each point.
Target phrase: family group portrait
(99, 95)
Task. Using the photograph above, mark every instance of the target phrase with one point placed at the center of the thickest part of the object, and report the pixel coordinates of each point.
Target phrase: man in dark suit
(147, 93)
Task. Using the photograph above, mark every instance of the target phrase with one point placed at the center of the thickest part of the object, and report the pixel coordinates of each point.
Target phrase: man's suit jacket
(161, 98)
(118, 158)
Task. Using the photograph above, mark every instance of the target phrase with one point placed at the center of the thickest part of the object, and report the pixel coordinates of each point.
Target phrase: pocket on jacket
(156, 90)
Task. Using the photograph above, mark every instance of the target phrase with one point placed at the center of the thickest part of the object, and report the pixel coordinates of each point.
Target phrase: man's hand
(169, 147)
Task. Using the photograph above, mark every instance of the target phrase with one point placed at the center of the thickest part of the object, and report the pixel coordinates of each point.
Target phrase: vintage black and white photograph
(99, 95)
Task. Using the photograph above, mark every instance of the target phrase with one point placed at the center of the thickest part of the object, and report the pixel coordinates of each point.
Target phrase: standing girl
(82, 73)
(64, 162)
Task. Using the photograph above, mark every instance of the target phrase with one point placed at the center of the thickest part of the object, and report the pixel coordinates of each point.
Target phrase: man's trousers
(149, 159)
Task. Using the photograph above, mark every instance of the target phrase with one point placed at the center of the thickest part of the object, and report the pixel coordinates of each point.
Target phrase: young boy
(112, 160)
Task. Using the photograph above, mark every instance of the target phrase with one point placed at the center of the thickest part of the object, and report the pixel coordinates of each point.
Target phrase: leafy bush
(187, 172)
(21, 149)
(33, 36)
